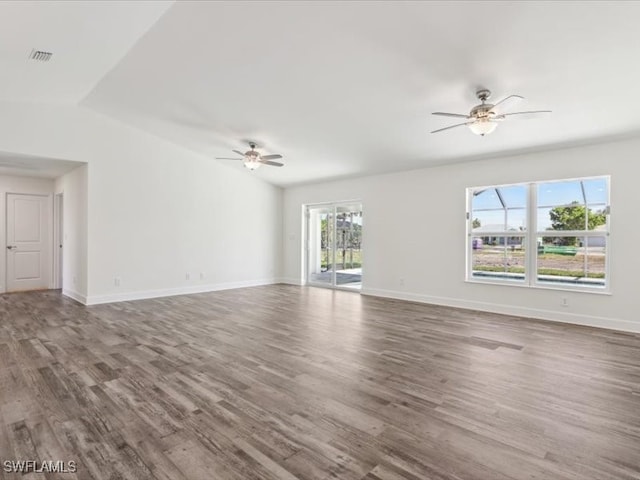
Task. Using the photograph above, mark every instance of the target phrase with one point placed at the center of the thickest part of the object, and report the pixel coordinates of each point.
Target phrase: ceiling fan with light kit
(253, 159)
(484, 118)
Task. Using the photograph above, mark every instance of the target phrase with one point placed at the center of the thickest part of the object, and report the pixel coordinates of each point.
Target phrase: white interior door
(28, 242)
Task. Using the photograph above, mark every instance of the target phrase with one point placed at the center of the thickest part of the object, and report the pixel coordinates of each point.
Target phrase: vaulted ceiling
(339, 88)
(87, 39)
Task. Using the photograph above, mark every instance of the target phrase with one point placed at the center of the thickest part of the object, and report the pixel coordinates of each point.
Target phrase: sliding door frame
(333, 207)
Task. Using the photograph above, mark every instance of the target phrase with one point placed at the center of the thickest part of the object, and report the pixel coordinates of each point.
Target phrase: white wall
(170, 213)
(73, 186)
(155, 211)
(14, 184)
(414, 228)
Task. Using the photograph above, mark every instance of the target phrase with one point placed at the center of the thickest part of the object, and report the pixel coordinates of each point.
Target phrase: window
(552, 234)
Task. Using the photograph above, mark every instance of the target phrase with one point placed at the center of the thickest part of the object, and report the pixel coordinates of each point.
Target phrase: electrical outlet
(187, 276)
(116, 281)
(201, 275)
(564, 302)
(402, 282)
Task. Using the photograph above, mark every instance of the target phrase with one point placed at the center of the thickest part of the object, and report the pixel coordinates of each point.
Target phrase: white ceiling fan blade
(507, 103)
(239, 153)
(523, 115)
(275, 156)
(452, 126)
(269, 162)
(456, 115)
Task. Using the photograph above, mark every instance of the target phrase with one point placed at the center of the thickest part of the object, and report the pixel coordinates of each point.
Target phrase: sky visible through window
(488, 207)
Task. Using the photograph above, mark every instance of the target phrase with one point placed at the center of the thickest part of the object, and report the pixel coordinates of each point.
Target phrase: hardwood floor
(284, 382)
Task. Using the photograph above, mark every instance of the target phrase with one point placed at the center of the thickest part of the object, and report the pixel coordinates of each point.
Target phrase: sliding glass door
(334, 245)
(320, 228)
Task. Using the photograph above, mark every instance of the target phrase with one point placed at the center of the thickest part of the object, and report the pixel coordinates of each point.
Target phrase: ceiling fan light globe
(483, 126)
(252, 163)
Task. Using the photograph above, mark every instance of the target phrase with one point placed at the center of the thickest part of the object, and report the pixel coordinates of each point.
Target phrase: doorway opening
(334, 245)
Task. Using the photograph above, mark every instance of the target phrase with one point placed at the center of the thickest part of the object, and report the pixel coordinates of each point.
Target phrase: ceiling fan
(484, 118)
(253, 159)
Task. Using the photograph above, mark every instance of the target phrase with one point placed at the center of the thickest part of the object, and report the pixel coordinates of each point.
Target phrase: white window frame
(530, 240)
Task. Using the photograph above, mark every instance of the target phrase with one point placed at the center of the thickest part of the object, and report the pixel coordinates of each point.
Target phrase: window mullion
(532, 229)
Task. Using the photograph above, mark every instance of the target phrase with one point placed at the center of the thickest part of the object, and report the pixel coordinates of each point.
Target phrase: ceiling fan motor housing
(252, 154)
(483, 110)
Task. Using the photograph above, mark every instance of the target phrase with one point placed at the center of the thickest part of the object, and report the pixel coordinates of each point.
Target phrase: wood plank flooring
(285, 382)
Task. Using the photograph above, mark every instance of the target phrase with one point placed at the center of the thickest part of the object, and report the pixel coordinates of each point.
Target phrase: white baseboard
(75, 296)
(577, 319)
(170, 292)
(572, 318)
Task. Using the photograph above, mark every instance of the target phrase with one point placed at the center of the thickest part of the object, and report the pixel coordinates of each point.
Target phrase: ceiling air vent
(40, 56)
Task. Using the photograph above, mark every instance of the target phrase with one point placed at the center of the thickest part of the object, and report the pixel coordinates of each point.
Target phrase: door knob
(11, 247)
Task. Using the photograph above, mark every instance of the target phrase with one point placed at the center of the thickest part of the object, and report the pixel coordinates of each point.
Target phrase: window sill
(542, 286)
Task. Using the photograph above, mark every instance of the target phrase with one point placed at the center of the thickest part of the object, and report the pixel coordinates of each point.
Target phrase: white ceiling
(87, 38)
(341, 88)
(13, 164)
